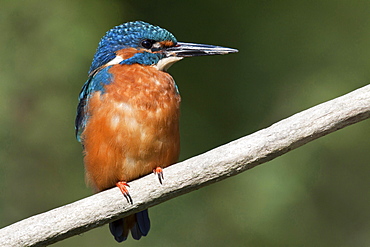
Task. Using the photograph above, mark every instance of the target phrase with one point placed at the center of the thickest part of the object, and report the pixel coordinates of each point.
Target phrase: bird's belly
(146, 139)
(124, 141)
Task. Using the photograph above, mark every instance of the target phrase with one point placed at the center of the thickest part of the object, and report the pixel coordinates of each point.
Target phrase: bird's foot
(123, 187)
(159, 172)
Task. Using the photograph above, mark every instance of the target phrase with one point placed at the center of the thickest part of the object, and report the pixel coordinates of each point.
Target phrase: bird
(128, 112)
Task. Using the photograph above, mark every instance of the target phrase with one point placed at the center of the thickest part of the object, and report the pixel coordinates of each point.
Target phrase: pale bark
(194, 173)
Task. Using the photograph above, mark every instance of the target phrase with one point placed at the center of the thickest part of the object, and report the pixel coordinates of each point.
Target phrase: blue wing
(95, 83)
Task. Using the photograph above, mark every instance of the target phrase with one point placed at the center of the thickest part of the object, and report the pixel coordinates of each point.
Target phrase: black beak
(191, 50)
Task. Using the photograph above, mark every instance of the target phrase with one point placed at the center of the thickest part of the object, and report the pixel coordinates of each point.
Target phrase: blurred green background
(293, 55)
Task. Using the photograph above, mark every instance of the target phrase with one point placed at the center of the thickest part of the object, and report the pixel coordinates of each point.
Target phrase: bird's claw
(123, 188)
(159, 172)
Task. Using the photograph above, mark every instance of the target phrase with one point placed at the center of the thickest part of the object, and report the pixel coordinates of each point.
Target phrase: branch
(194, 173)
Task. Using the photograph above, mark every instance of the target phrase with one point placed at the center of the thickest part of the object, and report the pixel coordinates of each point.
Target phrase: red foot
(123, 187)
(159, 172)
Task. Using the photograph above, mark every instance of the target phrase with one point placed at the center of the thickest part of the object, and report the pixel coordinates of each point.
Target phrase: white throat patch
(166, 62)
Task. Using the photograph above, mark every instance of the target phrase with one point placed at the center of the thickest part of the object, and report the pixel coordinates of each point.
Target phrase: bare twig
(215, 165)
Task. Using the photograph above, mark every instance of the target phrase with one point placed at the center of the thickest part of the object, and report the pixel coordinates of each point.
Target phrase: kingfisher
(128, 113)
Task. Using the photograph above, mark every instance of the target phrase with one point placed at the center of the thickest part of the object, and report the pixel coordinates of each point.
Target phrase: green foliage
(293, 55)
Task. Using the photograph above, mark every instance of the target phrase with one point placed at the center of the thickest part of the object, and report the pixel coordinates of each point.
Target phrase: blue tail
(138, 223)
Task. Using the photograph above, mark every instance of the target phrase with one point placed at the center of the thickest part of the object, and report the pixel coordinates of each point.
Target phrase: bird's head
(142, 43)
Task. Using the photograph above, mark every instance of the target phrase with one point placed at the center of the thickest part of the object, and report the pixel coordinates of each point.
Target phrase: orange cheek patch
(127, 53)
(167, 43)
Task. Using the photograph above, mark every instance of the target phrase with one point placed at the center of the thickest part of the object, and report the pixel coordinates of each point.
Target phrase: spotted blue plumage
(93, 84)
(130, 34)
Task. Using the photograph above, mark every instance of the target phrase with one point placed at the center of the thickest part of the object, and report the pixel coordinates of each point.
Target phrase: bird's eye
(147, 43)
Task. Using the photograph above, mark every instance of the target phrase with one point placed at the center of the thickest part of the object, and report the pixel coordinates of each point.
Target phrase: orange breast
(133, 127)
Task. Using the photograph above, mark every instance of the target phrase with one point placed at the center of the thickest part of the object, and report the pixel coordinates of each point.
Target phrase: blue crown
(126, 35)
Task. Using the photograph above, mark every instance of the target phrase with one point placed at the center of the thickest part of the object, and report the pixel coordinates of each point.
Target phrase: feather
(138, 224)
